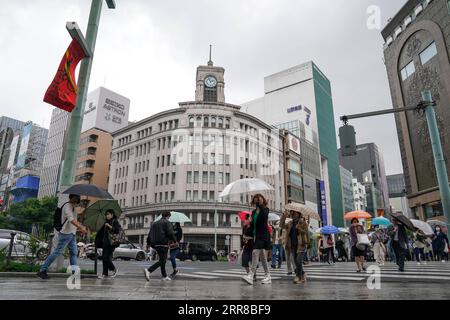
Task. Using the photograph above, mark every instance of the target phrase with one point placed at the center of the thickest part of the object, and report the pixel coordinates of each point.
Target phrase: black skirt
(262, 244)
(357, 252)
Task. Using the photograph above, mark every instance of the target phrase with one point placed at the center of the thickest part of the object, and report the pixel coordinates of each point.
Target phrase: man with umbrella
(67, 235)
(399, 238)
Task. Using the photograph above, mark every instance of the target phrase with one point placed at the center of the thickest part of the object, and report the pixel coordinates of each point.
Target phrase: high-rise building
(299, 100)
(397, 194)
(416, 52)
(51, 168)
(359, 195)
(367, 166)
(182, 159)
(347, 190)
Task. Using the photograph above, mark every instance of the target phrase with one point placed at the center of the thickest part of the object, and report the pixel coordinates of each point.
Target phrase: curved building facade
(181, 159)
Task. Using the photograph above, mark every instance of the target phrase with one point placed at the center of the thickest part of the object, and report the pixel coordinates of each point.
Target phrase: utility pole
(348, 142)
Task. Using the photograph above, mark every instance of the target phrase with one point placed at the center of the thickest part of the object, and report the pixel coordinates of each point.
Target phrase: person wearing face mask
(440, 241)
(67, 236)
(261, 236)
(359, 254)
(103, 240)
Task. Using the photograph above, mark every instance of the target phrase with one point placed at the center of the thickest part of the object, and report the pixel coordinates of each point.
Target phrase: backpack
(57, 215)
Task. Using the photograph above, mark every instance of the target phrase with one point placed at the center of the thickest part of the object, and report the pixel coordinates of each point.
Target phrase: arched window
(206, 122)
(198, 122)
(191, 122)
(220, 122)
(227, 123)
(213, 122)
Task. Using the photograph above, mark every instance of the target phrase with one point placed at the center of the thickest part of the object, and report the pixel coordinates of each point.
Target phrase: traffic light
(347, 138)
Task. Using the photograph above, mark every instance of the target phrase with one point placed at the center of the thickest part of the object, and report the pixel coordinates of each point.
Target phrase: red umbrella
(243, 215)
(357, 215)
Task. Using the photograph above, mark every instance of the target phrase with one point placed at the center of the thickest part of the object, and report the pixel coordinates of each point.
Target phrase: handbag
(363, 241)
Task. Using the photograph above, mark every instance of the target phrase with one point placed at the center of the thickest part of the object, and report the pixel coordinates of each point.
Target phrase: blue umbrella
(328, 230)
(381, 221)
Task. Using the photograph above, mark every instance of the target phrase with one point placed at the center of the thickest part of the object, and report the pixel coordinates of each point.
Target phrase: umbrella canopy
(328, 230)
(381, 221)
(94, 215)
(403, 220)
(425, 227)
(343, 230)
(90, 190)
(245, 186)
(243, 214)
(273, 217)
(306, 211)
(433, 223)
(176, 217)
(357, 215)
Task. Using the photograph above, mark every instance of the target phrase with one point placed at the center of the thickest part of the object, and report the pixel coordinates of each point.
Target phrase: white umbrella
(303, 209)
(422, 225)
(245, 186)
(343, 230)
(274, 217)
(176, 217)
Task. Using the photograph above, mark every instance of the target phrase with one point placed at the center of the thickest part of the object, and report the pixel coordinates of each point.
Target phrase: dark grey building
(396, 185)
(368, 167)
(417, 58)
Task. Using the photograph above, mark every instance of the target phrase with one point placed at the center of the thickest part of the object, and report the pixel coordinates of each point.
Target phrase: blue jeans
(277, 248)
(173, 257)
(64, 240)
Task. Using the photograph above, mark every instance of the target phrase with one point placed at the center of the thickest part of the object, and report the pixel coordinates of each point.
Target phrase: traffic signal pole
(426, 106)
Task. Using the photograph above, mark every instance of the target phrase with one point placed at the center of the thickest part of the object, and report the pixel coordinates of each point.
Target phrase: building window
(189, 177)
(188, 195)
(227, 178)
(210, 94)
(156, 181)
(428, 53)
(211, 196)
(212, 177)
(198, 123)
(191, 122)
(204, 195)
(167, 178)
(166, 196)
(205, 177)
(196, 176)
(206, 122)
(220, 178)
(173, 177)
(407, 71)
(227, 123)
(213, 122)
(195, 195)
(220, 123)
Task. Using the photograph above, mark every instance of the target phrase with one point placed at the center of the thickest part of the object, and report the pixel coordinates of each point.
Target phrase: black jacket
(402, 236)
(262, 231)
(161, 233)
(102, 237)
(178, 233)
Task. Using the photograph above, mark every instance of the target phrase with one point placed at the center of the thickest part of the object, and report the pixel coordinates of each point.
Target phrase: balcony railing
(134, 226)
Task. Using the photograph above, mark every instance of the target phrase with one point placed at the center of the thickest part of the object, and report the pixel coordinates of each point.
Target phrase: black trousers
(399, 254)
(162, 256)
(107, 258)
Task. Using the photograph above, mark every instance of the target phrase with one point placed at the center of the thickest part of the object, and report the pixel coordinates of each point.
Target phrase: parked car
(125, 251)
(22, 245)
(196, 251)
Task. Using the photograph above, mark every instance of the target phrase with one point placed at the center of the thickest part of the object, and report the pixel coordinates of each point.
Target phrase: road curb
(33, 275)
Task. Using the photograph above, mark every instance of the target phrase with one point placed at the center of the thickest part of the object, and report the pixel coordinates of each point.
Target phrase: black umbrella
(403, 220)
(90, 190)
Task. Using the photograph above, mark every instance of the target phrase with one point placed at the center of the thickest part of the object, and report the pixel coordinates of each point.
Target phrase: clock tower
(210, 83)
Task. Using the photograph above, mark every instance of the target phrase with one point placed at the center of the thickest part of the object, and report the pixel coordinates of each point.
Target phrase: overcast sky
(148, 51)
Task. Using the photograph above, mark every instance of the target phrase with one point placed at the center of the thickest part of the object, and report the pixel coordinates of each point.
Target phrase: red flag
(62, 92)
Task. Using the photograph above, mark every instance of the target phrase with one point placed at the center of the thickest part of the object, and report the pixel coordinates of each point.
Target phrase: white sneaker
(418, 263)
(167, 279)
(443, 260)
(147, 274)
(267, 280)
(248, 278)
(115, 273)
(102, 277)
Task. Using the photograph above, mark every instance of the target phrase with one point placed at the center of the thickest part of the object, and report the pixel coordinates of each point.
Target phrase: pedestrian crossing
(432, 272)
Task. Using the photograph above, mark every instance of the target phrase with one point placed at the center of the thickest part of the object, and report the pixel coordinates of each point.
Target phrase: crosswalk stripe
(196, 276)
(228, 275)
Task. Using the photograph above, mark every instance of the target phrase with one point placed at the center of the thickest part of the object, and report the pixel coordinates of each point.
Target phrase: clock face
(210, 82)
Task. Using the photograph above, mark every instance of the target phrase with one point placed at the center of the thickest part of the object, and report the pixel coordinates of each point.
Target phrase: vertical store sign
(24, 145)
(323, 203)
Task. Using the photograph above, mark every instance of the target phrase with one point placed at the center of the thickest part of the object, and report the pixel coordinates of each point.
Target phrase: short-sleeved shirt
(68, 212)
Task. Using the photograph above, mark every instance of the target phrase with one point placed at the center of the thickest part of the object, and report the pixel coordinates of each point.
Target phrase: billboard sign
(12, 155)
(106, 110)
(323, 202)
(294, 144)
(26, 133)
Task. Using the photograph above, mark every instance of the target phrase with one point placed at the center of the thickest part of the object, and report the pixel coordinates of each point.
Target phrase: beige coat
(303, 234)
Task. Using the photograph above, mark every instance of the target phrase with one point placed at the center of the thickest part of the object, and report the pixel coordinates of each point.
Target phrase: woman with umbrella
(259, 221)
(440, 242)
(104, 239)
(357, 252)
(174, 247)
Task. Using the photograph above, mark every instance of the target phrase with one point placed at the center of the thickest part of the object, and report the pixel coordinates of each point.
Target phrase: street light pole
(76, 117)
(439, 161)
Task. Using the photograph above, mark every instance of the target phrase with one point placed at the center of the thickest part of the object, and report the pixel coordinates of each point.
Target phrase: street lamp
(75, 33)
